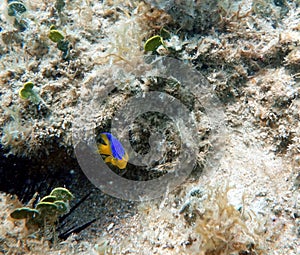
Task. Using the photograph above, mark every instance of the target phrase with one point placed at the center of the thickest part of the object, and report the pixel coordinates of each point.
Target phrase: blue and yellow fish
(114, 150)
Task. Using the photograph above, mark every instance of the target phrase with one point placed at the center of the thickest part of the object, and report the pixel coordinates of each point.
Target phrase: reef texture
(245, 202)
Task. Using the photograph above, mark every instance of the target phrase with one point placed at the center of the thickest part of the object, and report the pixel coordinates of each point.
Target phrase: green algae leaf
(16, 8)
(47, 208)
(26, 92)
(153, 43)
(63, 46)
(55, 36)
(165, 34)
(24, 213)
(52, 27)
(21, 25)
(62, 194)
(59, 5)
(50, 199)
(28, 85)
(62, 207)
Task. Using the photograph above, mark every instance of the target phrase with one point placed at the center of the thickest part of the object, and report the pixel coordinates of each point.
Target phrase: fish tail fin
(122, 163)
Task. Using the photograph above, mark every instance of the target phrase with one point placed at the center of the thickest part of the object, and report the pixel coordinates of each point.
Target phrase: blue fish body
(113, 149)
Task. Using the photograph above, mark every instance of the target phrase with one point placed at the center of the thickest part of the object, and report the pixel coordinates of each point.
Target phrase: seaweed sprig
(27, 92)
(61, 43)
(44, 216)
(17, 9)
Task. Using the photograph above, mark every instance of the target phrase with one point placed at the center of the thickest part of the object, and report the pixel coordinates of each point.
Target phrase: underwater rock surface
(84, 60)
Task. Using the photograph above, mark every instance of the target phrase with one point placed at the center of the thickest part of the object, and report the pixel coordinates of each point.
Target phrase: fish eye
(102, 141)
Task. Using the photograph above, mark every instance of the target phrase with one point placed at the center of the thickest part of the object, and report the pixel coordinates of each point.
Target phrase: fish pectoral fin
(125, 157)
(109, 159)
(121, 164)
(104, 149)
(112, 160)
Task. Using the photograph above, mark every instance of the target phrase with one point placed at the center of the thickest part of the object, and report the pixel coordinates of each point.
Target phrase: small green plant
(59, 5)
(27, 93)
(16, 9)
(62, 44)
(20, 24)
(62, 194)
(55, 35)
(49, 198)
(46, 212)
(24, 213)
(155, 41)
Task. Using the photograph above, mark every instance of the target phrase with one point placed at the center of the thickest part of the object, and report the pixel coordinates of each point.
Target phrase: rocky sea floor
(87, 58)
